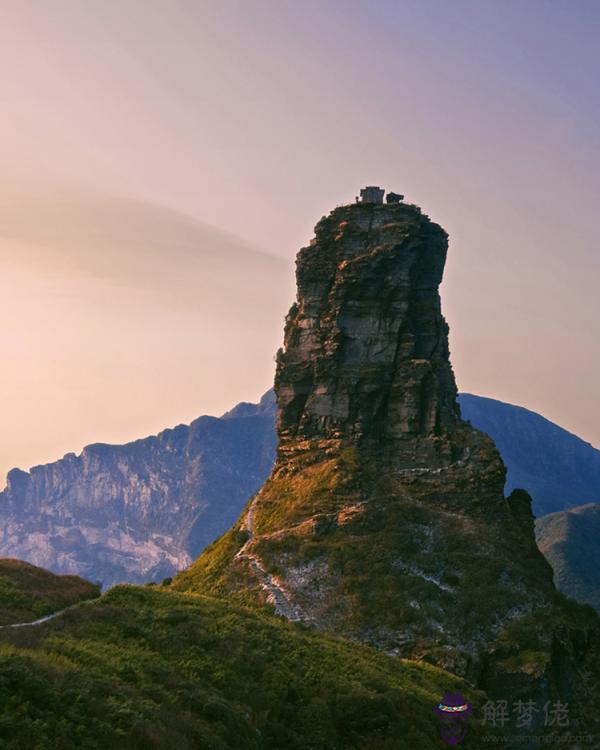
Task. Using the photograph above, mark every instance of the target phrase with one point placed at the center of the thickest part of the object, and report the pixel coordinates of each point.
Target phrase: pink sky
(162, 163)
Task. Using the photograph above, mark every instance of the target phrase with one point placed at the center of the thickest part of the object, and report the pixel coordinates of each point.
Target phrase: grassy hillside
(27, 592)
(150, 668)
(570, 540)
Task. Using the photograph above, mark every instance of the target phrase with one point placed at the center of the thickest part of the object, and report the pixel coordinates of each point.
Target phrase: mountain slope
(570, 540)
(138, 511)
(384, 518)
(146, 668)
(556, 467)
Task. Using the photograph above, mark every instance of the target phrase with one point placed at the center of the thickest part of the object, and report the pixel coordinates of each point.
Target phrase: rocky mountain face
(570, 540)
(143, 510)
(366, 347)
(384, 518)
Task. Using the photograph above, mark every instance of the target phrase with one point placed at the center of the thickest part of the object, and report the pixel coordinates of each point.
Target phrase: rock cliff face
(143, 510)
(384, 518)
(366, 346)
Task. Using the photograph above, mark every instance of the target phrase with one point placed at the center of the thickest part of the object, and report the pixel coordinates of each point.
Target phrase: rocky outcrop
(384, 518)
(140, 511)
(366, 346)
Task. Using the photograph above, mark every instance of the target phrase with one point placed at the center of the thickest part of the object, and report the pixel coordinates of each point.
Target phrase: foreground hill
(570, 540)
(142, 511)
(28, 593)
(145, 668)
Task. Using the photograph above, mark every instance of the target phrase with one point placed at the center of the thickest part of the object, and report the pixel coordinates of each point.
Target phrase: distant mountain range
(558, 469)
(141, 511)
(570, 540)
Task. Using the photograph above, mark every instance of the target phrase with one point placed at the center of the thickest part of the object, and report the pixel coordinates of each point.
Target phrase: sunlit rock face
(384, 518)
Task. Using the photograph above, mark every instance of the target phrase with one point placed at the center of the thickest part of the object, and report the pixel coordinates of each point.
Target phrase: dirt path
(46, 618)
(277, 595)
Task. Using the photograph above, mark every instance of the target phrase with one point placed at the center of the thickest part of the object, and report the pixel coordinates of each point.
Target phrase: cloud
(121, 317)
(119, 241)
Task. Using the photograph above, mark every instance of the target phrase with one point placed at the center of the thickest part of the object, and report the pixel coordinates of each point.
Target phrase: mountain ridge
(147, 667)
(384, 521)
(137, 511)
(28, 592)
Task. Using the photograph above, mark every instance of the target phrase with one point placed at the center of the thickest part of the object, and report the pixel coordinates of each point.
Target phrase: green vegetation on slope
(27, 592)
(150, 668)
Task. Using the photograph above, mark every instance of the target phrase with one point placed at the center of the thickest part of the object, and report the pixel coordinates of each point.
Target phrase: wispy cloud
(72, 230)
(121, 317)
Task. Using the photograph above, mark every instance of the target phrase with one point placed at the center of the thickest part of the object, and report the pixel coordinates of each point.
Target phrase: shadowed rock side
(384, 518)
(366, 346)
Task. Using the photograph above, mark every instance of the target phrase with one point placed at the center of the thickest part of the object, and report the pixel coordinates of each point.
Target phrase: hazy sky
(162, 162)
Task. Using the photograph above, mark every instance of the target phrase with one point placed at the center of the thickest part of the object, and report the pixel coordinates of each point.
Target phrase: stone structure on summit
(374, 194)
(394, 198)
(371, 194)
